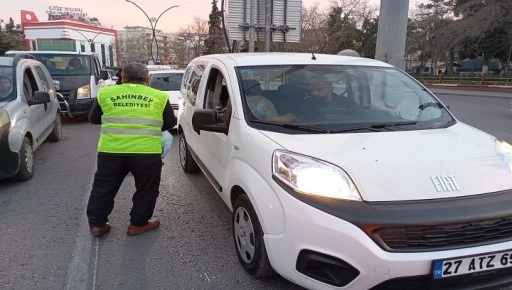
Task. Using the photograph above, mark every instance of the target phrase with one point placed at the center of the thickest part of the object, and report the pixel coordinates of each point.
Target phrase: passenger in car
(261, 107)
(5, 86)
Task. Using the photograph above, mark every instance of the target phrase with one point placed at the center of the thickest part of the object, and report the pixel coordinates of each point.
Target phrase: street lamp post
(154, 43)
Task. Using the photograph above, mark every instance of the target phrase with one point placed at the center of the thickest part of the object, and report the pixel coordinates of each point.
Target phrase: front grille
(175, 106)
(65, 93)
(447, 236)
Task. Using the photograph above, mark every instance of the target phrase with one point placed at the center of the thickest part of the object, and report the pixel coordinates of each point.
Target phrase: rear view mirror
(40, 97)
(104, 75)
(206, 120)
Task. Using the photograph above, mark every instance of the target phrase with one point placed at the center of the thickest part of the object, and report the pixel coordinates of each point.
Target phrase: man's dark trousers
(110, 173)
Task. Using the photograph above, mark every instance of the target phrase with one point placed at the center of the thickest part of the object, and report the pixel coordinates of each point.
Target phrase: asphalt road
(45, 243)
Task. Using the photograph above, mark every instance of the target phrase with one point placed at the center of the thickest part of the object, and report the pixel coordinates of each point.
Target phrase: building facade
(69, 29)
(135, 45)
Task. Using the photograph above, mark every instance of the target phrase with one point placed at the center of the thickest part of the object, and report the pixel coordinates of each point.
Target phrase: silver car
(29, 114)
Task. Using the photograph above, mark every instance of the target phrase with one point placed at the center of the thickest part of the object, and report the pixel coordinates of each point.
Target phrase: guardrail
(466, 81)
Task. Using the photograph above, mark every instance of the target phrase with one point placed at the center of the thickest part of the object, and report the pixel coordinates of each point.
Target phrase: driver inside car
(322, 94)
(5, 86)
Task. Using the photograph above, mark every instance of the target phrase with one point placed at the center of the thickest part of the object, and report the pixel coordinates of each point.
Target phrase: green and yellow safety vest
(132, 119)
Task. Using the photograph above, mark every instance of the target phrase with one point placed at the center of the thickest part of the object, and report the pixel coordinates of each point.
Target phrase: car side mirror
(104, 75)
(40, 97)
(206, 120)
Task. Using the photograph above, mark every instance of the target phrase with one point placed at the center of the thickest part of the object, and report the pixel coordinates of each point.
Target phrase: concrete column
(392, 32)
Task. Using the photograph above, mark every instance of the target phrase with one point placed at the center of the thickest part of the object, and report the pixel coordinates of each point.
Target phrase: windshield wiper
(375, 127)
(293, 126)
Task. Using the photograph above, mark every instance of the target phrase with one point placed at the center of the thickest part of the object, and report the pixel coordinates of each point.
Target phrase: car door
(96, 81)
(215, 148)
(37, 117)
(195, 87)
(45, 84)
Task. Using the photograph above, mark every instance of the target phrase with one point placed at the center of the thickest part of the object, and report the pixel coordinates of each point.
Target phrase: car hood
(173, 96)
(409, 165)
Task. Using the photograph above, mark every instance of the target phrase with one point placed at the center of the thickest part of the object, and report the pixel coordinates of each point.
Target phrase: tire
(188, 164)
(26, 170)
(56, 134)
(248, 238)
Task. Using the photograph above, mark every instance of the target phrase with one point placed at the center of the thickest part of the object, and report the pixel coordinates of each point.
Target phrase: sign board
(286, 18)
(65, 11)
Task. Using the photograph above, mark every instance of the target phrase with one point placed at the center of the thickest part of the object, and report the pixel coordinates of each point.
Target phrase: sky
(119, 13)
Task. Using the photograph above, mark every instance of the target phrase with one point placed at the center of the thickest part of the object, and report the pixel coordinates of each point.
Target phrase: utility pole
(267, 25)
(392, 32)
(251, 25)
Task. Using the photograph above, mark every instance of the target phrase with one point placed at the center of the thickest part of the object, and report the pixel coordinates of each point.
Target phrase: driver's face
(322, 91)
(5, 85)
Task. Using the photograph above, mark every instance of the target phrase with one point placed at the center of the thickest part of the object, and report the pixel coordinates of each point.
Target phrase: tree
(484, 28)
(194, 36)
(10, 38)
(215, 42)
(430, 38)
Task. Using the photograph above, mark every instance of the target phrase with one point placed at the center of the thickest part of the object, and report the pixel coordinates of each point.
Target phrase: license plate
(471, 264)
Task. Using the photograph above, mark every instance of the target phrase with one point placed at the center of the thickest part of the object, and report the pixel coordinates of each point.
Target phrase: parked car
(168, 81)
(29, 114)
(377, 187)
(77, 76)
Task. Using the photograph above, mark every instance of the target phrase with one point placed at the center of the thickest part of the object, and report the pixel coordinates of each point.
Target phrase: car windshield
(7, 84)
(65, 64)
(337, 98)
(166, 81)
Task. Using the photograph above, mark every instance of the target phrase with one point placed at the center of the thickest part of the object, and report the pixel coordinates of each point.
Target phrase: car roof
(285, 58)
(166, 71)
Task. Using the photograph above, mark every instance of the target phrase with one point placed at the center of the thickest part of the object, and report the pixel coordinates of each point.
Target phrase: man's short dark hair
(136, 72)
(2, 77)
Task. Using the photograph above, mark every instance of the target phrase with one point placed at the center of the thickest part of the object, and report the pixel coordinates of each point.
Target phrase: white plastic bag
(166, 143)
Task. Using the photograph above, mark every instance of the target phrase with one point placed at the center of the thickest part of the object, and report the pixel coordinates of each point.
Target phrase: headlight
(310, 176)
(83, 92)
(4, 118)
(504, 149)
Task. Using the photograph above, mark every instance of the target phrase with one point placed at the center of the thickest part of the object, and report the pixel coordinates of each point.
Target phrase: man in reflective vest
(132, 118)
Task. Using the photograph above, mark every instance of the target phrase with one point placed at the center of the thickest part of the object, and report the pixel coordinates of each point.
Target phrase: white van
(346, 173)
(77, 76)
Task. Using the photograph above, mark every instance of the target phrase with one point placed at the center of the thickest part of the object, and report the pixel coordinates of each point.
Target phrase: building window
(34, 45)
(56, 45)
(82, 47)
(111, 54)
(103, 56)
(93, 47)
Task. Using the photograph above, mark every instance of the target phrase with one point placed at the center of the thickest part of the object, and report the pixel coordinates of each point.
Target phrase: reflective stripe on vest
(141, 121)
(131, 132)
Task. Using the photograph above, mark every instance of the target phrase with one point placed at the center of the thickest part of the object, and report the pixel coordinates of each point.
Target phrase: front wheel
(188, 164)
(248, 236)
(26, 170)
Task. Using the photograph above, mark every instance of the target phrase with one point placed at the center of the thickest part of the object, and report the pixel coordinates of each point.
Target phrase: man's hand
(287, 118)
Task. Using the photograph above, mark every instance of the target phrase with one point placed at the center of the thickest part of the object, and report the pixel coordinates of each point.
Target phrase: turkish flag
(28, 17)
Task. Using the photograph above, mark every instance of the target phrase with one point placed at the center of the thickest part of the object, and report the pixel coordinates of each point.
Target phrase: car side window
(97, 67)
(193, 84)
(185, 78)
(217, 96)
(43, 78)
(29, 84)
